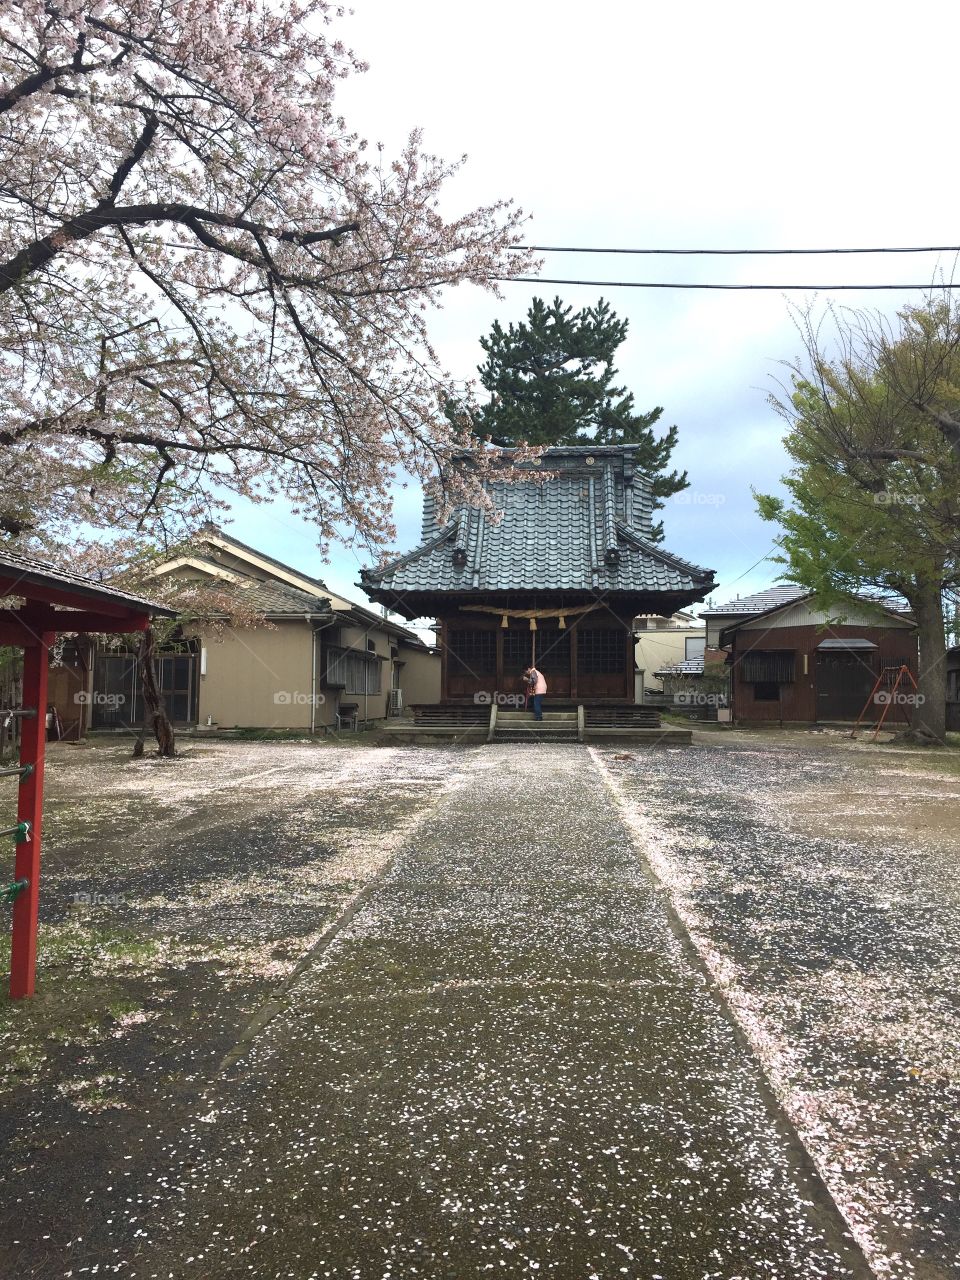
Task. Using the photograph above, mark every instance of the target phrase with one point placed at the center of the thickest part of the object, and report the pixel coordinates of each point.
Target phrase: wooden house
(794, 663)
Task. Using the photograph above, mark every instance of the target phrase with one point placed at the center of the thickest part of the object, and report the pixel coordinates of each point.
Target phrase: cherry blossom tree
(209, 286)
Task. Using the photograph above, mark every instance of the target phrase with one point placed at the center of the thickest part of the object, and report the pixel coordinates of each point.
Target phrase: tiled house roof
(276, 599)
(584, 529)
(269, 596)
(760, 601)
(686, 667)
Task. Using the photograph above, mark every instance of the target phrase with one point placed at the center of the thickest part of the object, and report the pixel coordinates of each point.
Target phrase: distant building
(664, 645)
(793, 663)
(323, 661)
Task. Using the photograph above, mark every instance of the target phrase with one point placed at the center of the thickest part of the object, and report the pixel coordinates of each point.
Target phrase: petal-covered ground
(822, 889)
(573, 1012)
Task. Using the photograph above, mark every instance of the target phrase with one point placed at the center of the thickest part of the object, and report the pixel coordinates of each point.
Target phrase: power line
(662, 284)
(547, 248)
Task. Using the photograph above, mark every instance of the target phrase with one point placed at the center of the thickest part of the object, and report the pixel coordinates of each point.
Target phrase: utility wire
(661, 284)
(547, 248)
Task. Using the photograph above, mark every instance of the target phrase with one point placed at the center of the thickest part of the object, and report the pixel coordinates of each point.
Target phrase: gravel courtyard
(580, 1012)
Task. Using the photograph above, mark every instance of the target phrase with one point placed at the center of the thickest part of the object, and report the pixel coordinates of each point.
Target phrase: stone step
(518, 739)
(535, 728)
(526, 717)
(535, 731)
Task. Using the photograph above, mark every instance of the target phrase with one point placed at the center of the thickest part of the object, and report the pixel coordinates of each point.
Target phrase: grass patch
(81, 974)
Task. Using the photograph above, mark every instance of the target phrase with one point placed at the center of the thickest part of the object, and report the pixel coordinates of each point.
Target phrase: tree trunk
(152, 701)
(928, 724)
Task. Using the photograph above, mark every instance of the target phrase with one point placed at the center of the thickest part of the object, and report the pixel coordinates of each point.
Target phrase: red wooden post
(33, 739)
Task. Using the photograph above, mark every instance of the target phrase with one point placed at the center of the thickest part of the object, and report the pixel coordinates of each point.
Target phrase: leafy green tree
(552, 381)
(874, 502)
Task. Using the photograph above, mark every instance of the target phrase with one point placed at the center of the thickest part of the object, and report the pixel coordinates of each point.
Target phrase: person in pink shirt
(538, 687)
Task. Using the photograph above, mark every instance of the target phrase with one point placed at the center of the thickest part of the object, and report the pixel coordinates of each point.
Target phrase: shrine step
(526, 717)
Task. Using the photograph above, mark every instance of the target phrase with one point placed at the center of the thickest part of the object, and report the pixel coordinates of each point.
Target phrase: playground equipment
(903, 674)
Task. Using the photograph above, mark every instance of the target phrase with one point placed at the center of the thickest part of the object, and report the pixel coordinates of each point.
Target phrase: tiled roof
(686, 667)
(269, 597)
(760, 601)
(276, 599)
(583, 529)
(28, 570)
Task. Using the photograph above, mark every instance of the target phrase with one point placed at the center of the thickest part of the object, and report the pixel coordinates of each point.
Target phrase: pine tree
(552, 381)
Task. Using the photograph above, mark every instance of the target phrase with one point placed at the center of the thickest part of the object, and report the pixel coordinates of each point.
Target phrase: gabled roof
(583, 529)
(902, 616)
(216, 536)
(760, 601)
(270, 597)
(273, 595)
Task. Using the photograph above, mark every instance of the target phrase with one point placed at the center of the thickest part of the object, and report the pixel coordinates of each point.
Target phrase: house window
(353, 671)
(473, 650)
(766, 691)
(693, 647)
(600, 651)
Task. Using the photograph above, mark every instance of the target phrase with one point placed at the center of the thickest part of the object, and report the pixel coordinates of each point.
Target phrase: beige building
(320, 662)
(663, 643)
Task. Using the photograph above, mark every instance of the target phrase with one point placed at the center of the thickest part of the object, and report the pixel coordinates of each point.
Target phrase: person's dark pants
(538, 706)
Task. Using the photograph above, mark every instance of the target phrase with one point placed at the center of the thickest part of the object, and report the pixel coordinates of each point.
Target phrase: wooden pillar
(498, 684)
(33, 738)
(629, 683)
(574, 631)
(444, 665)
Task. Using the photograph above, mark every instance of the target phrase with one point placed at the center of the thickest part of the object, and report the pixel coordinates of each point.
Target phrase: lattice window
(473, 650)
(553, 650)
(600, 651)
(517, 648)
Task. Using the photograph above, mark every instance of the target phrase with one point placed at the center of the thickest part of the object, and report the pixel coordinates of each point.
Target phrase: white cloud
(675, 125)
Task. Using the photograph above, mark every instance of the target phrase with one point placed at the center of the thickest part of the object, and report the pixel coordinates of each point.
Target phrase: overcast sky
(689, 126)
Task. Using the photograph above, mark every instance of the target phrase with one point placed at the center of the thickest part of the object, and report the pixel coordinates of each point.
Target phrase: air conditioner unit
(396, 702)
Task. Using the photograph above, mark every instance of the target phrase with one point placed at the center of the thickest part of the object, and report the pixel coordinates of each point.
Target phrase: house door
(844, 683)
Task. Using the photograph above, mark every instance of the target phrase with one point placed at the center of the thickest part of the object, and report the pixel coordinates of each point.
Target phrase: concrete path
(510, 1063)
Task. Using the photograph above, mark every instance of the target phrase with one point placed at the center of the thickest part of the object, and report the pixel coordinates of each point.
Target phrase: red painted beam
(23, 626)
(16, 585)
(84, 620)
(33, 739)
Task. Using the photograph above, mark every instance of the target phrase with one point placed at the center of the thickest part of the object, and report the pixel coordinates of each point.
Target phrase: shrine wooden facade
(589, 658)
(557, 581)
